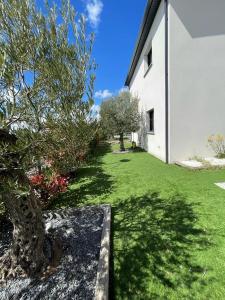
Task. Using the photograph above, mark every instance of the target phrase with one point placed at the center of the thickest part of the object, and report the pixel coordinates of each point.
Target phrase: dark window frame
(149, 58)
(151, 120)
(148, 61)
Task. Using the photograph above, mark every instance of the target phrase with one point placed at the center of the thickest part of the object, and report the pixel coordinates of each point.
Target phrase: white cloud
(102, 94)
(123, 89)
(94, 9)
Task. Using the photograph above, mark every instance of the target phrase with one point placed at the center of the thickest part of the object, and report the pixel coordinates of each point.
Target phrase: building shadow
(153, 241)
(207, 17)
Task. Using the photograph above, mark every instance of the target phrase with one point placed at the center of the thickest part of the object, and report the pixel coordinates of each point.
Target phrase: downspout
(166, 83)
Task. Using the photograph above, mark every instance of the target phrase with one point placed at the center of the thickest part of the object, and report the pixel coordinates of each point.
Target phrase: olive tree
(46, 74)
(119, 115)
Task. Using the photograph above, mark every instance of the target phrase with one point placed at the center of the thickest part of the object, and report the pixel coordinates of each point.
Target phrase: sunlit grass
(168, 225)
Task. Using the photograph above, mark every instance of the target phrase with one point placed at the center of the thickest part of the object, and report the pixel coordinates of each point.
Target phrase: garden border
(180, 164)
(203, 167)
(102, 281)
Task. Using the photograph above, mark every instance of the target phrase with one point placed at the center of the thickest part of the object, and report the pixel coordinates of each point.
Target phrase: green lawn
(168, 225)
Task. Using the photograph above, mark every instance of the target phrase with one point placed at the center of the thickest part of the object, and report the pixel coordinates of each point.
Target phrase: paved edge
(206, 167)
(189, 167)
(122, 152)
(220, 185)
(102, 281)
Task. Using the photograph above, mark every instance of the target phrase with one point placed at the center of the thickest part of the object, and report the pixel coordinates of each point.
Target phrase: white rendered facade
(185, 84)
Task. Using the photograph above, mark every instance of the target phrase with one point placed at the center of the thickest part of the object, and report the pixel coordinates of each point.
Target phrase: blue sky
(116, 25)
(116, 34)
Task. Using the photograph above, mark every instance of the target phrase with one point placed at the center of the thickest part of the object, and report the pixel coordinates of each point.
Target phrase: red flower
(37, 179)
(48, 189)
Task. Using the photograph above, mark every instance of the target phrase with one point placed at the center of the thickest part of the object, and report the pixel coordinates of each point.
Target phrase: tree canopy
(46, 90)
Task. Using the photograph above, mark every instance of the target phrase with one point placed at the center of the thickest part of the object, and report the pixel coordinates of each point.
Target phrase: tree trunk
(27, 251)
(26, 255)
(122, 148)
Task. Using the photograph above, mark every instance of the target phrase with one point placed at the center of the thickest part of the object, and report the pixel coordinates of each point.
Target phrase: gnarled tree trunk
(122, 148)
(26, 256)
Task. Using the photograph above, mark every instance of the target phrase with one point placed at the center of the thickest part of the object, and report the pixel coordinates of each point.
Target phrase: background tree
(45, 76)
(69, 142)
(119, 115)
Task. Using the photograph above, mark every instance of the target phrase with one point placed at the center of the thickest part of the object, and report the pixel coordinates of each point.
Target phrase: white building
(178, 73)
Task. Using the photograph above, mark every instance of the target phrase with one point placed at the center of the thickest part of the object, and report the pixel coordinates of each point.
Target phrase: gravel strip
(80, 233)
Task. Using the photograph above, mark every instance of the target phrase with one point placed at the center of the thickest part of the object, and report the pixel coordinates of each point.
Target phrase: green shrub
(217, 143)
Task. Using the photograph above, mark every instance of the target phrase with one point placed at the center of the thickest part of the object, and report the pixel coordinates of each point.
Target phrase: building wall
(196, 75)
(150, 88)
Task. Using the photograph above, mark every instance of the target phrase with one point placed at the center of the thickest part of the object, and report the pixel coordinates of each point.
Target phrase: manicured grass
(168, 225)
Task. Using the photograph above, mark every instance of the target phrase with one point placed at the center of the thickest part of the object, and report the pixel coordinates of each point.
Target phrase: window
(151, 120)
(149, 58)
(147, 62)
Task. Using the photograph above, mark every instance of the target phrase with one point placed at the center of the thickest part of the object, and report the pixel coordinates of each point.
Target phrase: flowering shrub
(58, 184)
(217, 143)
(48, 188)
(37, 180)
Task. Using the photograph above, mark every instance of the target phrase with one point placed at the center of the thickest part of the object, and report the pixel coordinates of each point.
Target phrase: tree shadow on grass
(98, 152)
(154, 239)
(125, 160)
(90, 182)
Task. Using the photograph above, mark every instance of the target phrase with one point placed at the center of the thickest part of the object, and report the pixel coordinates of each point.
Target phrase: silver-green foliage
(45, 66)
(120, 114)
(46, 77)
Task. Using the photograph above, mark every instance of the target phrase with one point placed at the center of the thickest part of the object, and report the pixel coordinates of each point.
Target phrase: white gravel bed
(205, 163)
(192, 164)
(80, 233)
(213, 161)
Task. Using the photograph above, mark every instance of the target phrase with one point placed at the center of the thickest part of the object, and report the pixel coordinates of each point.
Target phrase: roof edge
(149, 16)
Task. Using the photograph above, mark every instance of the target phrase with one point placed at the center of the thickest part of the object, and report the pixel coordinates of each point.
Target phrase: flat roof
(149, 16)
